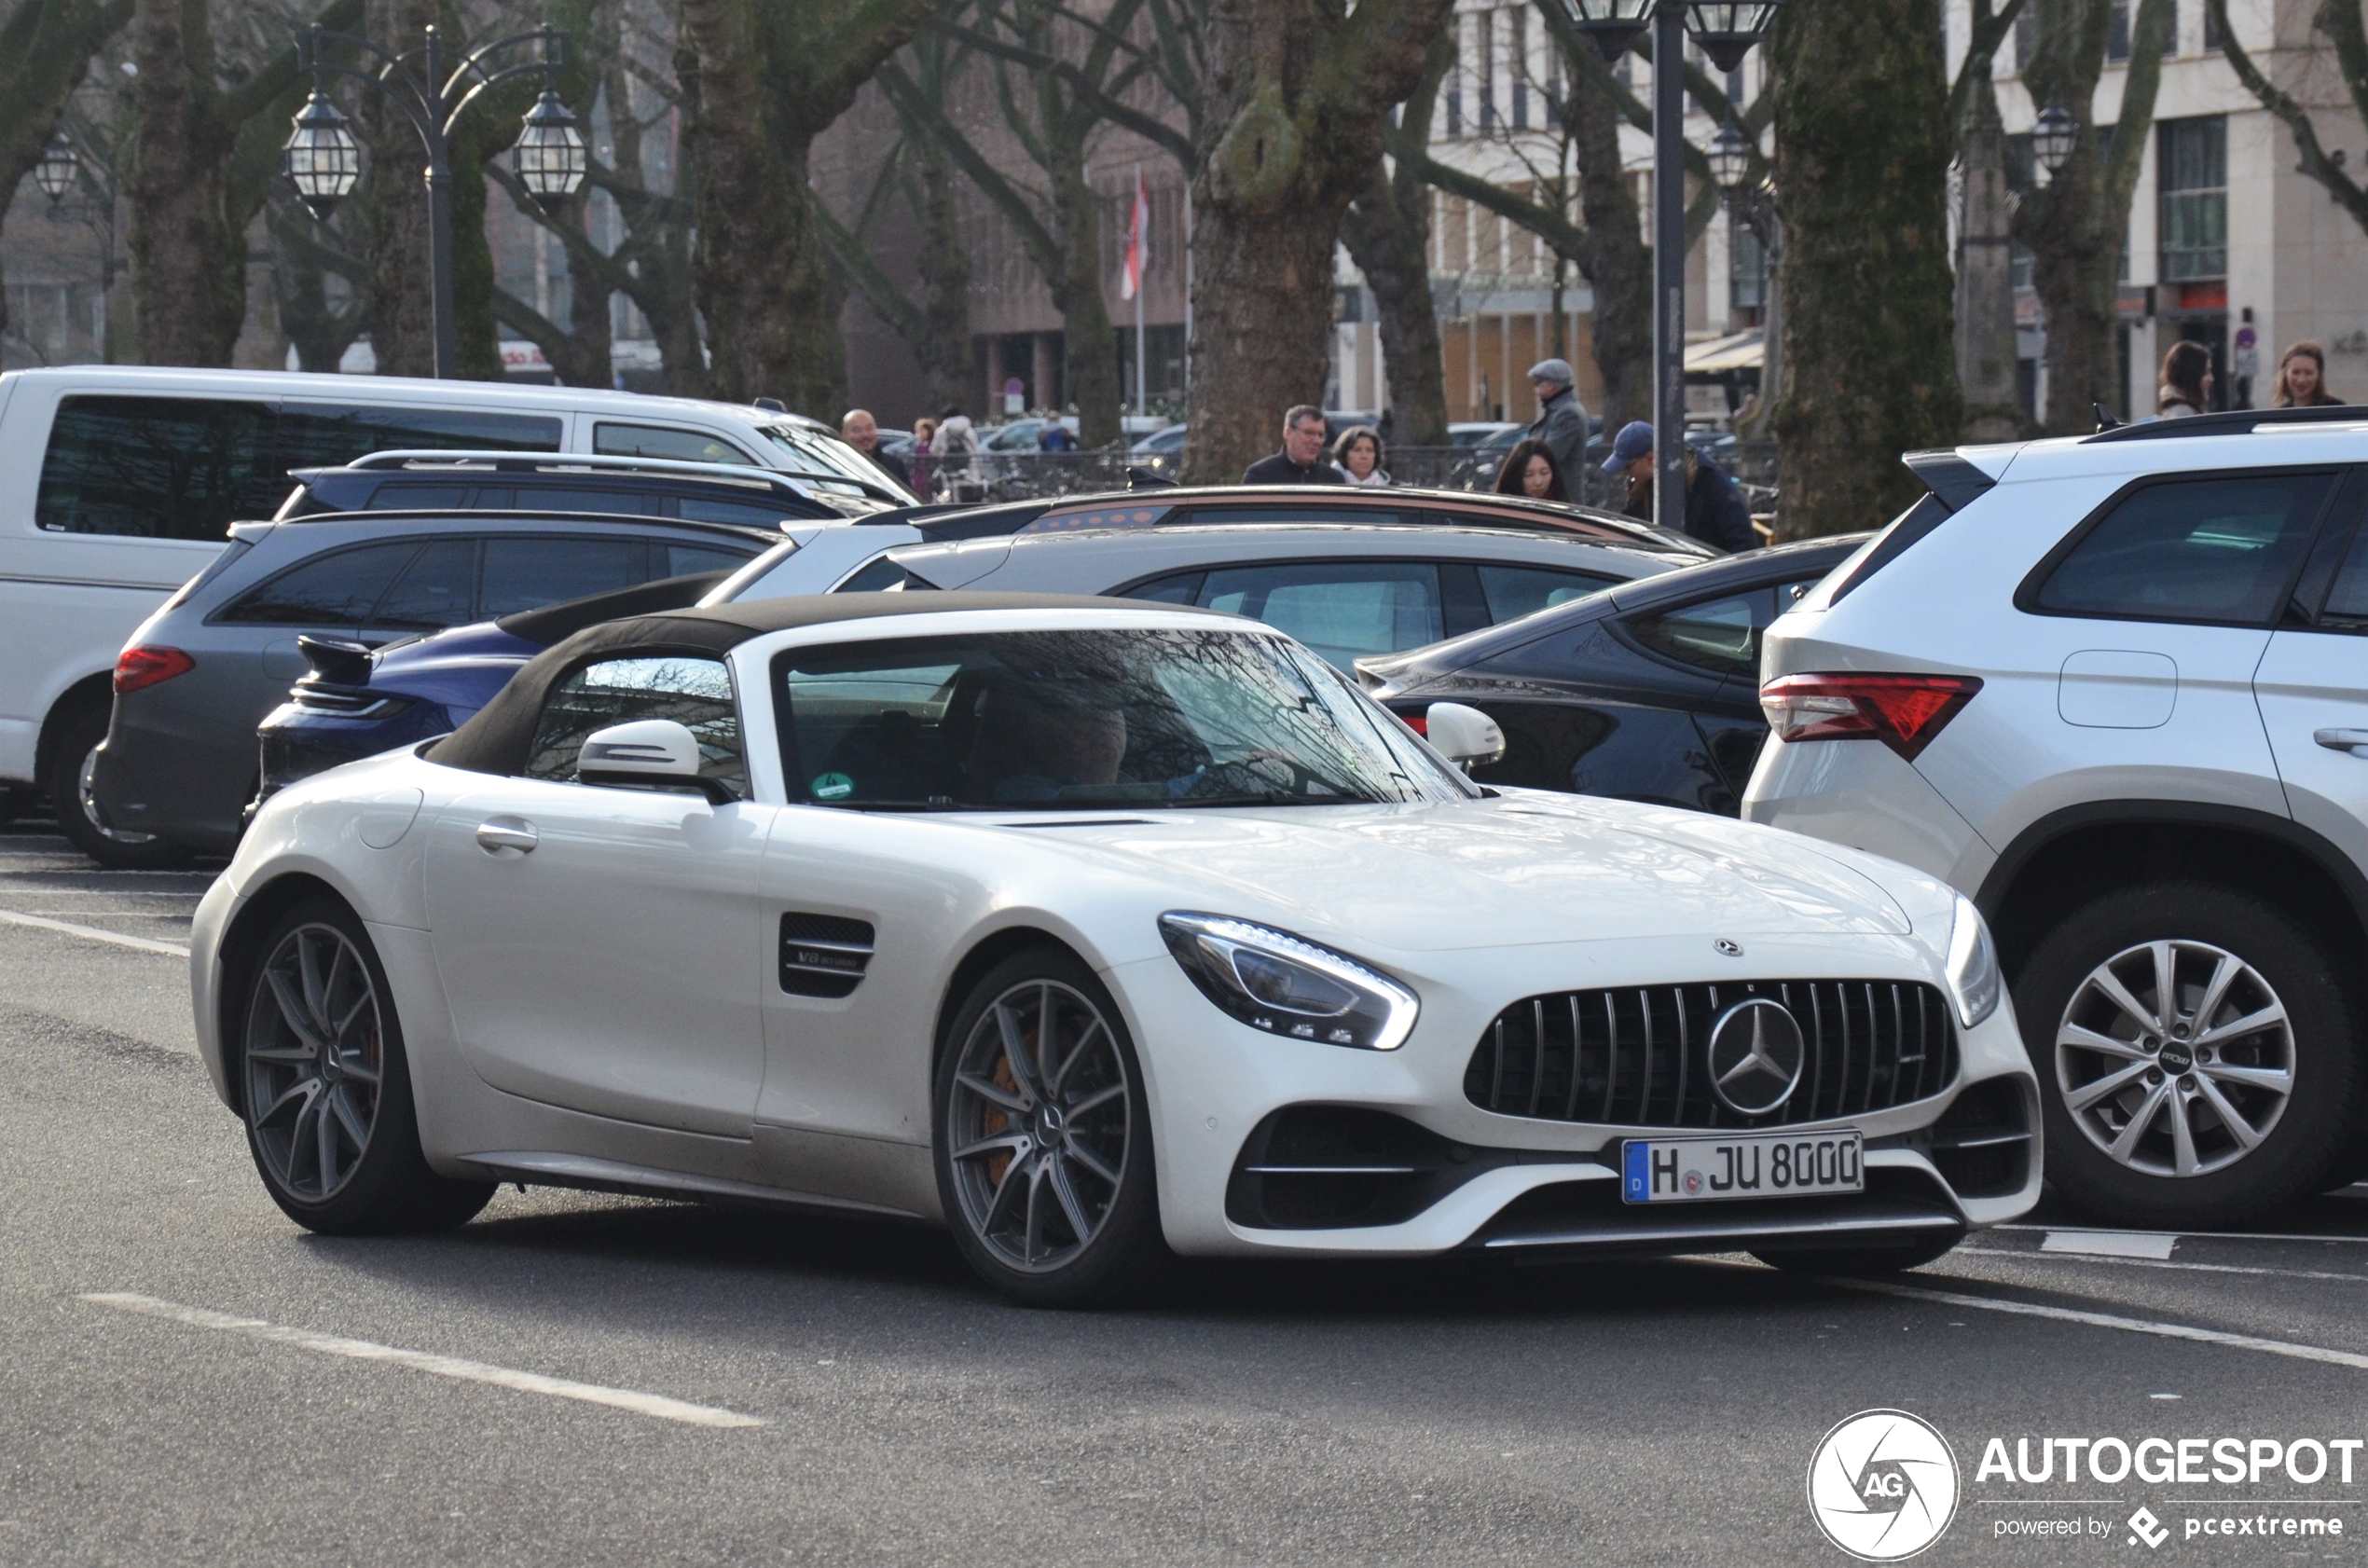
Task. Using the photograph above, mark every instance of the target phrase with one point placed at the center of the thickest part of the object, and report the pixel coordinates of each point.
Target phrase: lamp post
(323, 164)
(1754, 203)
(1725, 29)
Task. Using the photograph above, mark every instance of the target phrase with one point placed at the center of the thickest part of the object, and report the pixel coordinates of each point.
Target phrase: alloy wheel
(315, 1056)
(1038, 1125)
(88, 800)
(2176, 1059)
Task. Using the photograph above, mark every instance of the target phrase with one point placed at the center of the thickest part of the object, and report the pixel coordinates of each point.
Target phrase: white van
(117, 484)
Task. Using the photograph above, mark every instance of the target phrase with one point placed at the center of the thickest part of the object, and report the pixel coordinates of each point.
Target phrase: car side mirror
(657, 752)
(1465, 735)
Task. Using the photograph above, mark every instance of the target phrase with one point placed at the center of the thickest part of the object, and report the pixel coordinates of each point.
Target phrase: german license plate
(1693, 1169)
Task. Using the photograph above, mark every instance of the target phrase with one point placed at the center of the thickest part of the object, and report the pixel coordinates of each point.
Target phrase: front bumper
(1514, 1184)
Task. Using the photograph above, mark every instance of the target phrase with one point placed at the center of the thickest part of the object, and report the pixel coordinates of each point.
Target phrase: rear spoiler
(1950, 485)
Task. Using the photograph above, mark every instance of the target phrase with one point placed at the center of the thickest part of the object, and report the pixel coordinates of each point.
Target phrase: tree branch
(2282, 104)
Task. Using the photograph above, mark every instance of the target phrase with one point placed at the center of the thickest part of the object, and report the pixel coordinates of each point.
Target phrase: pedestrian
(862, 432)
(1530, 470)
(1716, 511)
(954, 453)
(1358, 454)
(1301, 459)
(924, 430)
(2187, 381)
(2301, 379)
(1055, 436)
(1561, 420)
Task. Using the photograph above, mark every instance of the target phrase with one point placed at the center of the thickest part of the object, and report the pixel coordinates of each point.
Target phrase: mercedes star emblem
(1757, 1055)
(1729, 947)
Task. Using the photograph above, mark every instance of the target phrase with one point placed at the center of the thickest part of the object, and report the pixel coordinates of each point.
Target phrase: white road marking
(2109, 1260)
(2110, 1243)
(2106, 1320)
(421, 1361)
(92, 933)
(2195, 1235)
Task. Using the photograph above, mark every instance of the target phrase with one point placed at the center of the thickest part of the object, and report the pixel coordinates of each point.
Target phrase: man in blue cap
(1561, 421)
(1716, 510)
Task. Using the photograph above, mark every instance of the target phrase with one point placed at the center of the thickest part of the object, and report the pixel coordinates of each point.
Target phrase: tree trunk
(1298, 99)
(491, 129)
(1985, 275)
(1618, 262)
(192, 265)
(1388, 235)
(305, 253)
(1868, 327)
(945, 267)
(402, 297)
(1088, 348)
(762, 79)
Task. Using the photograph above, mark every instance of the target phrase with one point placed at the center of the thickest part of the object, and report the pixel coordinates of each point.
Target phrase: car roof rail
(2232, 422)
(430, 458)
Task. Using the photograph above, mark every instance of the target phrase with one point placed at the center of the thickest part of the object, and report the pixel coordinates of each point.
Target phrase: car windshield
(1065, 721)
(819, 452)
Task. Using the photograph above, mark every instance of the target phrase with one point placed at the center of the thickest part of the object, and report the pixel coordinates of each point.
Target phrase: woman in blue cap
(1716, 510)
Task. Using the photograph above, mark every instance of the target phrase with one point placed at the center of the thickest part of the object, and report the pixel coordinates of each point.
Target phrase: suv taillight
(139, 668)
(1903, 711)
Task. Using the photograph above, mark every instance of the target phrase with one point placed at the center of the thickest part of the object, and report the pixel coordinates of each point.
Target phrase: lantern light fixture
(550, 159)
(59, 164)
(322, 159)
(2053, 139)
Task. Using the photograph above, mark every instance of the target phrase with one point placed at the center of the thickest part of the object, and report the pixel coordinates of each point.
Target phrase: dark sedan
(1648, 691)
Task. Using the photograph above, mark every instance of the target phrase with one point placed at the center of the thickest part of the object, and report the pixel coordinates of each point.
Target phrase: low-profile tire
(1043, 1136)
(78, 817)
(2235, 1103)
(326, 1086)
(1861, 1262)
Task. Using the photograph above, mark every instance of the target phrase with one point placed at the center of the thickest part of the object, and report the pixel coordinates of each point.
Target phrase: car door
(602, 948)
(2313, 689)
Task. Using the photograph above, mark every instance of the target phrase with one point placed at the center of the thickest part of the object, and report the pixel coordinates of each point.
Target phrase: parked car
(103, 515)
(1024, 436)
(2117, 688)
(1089, 931)
(199, 675)
(582, 482)
(1476, 433)
(1344, 589)
(1648, 691)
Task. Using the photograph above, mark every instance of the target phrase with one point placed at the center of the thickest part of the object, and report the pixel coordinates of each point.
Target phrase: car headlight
(1287, 986)
(1973, 965)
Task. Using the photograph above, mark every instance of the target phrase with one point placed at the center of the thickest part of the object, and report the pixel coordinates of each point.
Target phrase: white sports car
(1085, 928)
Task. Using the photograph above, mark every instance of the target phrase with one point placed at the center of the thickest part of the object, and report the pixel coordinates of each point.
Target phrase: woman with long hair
(2187, 381)
(2301, 379)
(1358, 454)
(1530, 470)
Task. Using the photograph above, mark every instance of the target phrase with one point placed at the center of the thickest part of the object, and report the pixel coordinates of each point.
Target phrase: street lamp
(1725, 29)
(54, 173)
(1730, 159)
(323, 164)
(2053, 137)
(321, 159)
(550, 159)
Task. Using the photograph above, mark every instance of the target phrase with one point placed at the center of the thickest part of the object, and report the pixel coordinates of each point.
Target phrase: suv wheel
(78, 816)
(2197, 1051)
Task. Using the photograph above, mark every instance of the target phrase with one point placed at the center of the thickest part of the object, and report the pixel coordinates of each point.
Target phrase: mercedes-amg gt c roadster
(1087, 930)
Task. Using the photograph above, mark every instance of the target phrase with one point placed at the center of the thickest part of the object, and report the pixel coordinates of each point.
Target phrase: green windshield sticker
(833, 787)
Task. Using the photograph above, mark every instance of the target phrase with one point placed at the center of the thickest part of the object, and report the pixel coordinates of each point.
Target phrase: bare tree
(44, 52)
(2339, 21)
(1388, 235)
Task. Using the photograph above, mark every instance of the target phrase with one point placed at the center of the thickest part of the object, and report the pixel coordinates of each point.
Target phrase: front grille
(1639, 1056)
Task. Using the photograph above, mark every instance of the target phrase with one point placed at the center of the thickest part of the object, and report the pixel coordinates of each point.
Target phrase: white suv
(2116, 688)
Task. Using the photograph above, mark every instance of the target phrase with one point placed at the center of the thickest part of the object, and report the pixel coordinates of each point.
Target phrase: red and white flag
(1138, 240)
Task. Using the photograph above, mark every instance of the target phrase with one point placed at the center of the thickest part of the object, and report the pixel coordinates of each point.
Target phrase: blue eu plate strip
(1636, 1168)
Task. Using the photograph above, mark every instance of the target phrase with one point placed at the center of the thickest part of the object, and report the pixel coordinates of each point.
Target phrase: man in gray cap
(1561, 420)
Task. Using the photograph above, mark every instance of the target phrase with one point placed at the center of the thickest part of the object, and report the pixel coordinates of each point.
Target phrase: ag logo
(1882, 1485)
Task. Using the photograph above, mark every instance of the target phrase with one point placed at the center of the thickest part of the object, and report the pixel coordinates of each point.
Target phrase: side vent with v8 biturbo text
(823, 955)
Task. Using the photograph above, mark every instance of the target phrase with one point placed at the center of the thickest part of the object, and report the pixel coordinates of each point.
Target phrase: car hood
(1523, 868)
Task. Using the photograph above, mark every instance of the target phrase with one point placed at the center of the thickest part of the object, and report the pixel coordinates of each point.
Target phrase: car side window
(2221, 550)
(416, 498)
(1515, 591)
(1343, 609)
(665, 441)
(157, 467)
(683, 559)
(1718, 635)
(629, 503)
(694, 691)
(1182, 589)
(338, 588)
(706, 509)
(2347, 608)
(527, 574)
(437, 589)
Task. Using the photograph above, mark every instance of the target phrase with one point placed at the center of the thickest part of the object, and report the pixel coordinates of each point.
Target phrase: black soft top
(498, 739)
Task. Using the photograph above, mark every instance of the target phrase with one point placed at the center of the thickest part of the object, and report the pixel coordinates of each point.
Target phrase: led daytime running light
(1287, 986)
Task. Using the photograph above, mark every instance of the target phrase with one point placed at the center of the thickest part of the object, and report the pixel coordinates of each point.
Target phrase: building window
(2026, 38)
(1520, 47)
(2019, 257)
(1484, 27)
(2117, 32)
(2191, 180)
(1747, 271)
(2212, 28)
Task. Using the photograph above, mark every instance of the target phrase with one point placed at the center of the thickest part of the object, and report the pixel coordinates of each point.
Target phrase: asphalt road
(186, 1378)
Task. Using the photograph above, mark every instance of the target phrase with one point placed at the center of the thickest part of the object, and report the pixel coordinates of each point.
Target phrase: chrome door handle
(2353, 741)
(497, 835)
